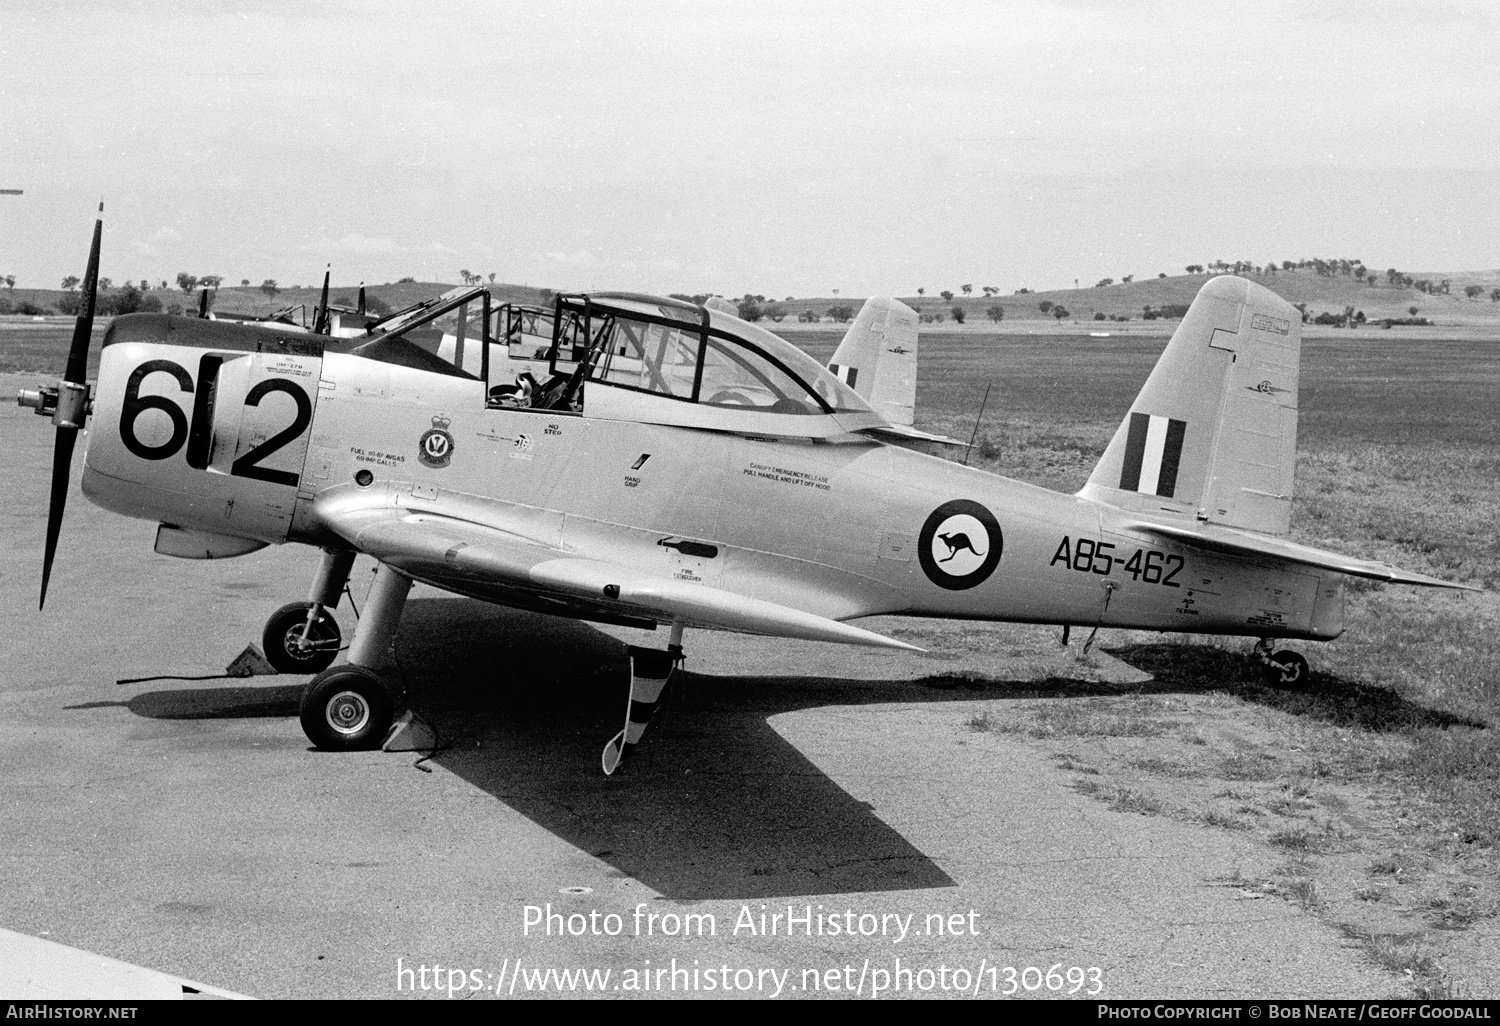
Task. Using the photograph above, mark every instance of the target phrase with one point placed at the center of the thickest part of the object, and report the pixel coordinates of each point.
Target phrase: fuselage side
(841, 526)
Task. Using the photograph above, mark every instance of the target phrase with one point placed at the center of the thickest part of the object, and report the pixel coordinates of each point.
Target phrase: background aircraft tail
(878, 358)
(1213, 434)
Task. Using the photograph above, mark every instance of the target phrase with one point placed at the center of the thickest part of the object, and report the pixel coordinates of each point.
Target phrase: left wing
(1240, 543)
(469, 558)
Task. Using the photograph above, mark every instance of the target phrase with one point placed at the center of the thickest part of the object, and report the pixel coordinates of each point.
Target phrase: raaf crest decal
(435, 448)
(960, 545)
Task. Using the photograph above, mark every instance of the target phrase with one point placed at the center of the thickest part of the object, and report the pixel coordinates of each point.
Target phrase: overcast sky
(775, 148)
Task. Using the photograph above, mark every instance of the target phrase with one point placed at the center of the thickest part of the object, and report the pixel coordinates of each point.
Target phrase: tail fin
(878, 358)
(1213, 434)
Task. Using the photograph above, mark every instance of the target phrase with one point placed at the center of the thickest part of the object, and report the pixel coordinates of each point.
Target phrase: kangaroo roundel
(960, 545)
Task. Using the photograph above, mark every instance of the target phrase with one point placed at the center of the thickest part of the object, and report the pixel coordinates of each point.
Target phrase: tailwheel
(1287, 669)
(347, 708)
(293, 645)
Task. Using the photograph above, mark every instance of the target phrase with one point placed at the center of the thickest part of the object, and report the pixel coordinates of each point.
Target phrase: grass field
(1379, 781)
(1389, 752)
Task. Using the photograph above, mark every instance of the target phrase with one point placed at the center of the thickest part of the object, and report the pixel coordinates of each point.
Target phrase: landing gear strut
(351, 706)
(1283, 669)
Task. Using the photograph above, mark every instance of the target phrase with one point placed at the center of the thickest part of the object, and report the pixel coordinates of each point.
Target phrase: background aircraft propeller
(321, 320)
(71, 405)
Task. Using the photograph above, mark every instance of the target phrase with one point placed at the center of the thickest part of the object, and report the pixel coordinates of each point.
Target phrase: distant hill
(1320, 293)
(242, 299)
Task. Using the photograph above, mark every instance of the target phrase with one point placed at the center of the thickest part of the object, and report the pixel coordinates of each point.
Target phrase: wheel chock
(250, 663)
(411, 733)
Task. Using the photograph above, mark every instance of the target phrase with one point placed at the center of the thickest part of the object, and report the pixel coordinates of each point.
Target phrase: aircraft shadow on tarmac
(715, 804)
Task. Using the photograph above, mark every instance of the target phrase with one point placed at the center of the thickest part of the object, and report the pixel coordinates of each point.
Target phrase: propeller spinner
(68, 405)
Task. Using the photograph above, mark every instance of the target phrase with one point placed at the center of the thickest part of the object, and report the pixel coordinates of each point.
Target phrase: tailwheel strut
(1283, 669)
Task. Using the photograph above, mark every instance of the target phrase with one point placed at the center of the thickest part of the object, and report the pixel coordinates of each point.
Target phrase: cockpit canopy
(686, 352)
(664, 348)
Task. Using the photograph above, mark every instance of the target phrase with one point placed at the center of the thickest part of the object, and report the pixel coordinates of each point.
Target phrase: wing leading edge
(462, 556)
(1238, 543)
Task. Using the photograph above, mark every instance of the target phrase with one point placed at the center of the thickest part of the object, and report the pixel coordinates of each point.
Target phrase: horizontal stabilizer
(1236, 543)
(899, 433)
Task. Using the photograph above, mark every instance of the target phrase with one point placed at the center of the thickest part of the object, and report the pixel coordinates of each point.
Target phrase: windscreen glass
(455, 335)
(837, 396)
(739, 375)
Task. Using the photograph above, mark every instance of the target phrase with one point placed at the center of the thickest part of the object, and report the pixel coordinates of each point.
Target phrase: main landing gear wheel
(1287, 669)
(283, 642)
(346, 709)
